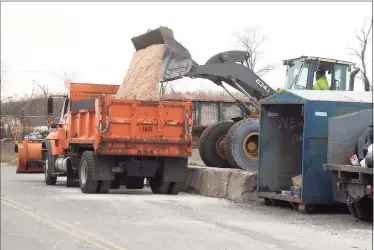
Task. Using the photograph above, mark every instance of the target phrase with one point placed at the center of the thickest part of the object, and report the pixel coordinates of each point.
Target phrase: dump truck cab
(301, 73)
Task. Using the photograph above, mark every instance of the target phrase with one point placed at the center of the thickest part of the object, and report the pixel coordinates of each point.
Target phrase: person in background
(321, 81)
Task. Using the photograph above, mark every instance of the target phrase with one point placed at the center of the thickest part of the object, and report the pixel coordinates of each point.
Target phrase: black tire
(234, 144)
(158, 184)
(208, 141)
(86, 165)
(134, 182)
(364, 209)
(48, 170)
(176, 187)
(352, 210)
(103, 187)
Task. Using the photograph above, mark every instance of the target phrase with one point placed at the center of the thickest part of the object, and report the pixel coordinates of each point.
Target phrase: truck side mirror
(50, 110)
(50, 105)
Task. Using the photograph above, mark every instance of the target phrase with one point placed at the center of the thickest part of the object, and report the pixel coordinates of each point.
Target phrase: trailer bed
(348, 168)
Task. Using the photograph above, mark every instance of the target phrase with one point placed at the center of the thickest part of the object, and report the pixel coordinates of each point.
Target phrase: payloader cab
(301, 73)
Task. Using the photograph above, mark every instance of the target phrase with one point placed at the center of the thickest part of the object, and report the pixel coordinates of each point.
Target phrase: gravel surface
(37, 216)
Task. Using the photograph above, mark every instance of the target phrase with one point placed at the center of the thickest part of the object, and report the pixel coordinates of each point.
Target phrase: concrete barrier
(233, 184)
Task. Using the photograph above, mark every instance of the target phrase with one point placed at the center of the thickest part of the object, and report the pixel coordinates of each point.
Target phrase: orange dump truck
(101, 141)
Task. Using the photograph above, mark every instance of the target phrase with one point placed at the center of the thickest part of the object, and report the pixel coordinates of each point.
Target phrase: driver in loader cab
(321, 81)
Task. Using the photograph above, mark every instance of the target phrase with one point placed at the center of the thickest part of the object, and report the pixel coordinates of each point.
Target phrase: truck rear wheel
(211, 147)
(176, 187)
(241, 144)
(158, 184)
(86, 183)
(103, 187)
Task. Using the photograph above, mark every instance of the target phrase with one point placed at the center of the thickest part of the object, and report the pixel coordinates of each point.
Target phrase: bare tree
(4, 78)
(363, 37)
(44, 88)
(28, 98)
(66, 75)
(251, 41)
(4, 72)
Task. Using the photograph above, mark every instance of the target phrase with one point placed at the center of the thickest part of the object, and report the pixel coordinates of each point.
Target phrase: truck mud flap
(47, 155)
(175, 169)
(103, 168)
(140, 168)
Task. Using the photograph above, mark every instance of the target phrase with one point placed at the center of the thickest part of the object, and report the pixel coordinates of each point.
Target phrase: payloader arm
(225, 67)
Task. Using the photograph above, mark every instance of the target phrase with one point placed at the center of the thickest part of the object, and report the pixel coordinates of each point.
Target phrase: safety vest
(321, 84)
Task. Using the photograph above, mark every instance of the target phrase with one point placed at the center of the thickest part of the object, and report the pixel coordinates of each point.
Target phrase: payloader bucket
(176, 61)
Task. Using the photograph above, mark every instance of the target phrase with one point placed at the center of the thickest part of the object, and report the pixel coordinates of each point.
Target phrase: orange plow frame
(29, 156)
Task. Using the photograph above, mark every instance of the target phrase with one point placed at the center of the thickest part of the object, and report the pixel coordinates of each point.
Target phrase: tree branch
(251, 41)
(44, 89)
(363, 38)
(265, 70)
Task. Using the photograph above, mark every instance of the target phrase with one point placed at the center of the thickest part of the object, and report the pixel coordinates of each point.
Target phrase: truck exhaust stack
(176, 61)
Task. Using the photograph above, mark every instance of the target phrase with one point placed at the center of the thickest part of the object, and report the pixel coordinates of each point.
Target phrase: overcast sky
(93, 40)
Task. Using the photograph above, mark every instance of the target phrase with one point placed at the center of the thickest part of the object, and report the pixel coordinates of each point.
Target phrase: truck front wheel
(48, 170)
(86, 183)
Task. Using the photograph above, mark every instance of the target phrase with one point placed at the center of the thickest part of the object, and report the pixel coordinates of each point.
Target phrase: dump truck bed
(137, 128)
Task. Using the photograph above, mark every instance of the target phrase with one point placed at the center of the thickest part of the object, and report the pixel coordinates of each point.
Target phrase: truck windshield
(297, 75)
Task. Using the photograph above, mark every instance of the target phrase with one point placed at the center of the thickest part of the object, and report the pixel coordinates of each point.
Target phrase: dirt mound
(141, 81)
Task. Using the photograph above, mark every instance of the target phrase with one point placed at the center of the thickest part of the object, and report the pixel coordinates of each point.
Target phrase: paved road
(35, 216)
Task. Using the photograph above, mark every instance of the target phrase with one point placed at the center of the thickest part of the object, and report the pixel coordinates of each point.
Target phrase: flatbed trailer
(353, 185)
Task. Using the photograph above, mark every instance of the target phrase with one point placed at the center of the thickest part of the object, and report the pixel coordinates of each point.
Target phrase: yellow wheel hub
(250, 145)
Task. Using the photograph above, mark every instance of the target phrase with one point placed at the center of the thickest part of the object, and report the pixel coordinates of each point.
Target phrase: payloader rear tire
(241, 144)
(211, 148)
(158, 183)
(86, 183)
(49, 166)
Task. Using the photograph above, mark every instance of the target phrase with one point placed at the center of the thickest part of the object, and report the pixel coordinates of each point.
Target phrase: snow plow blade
(176, 61)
